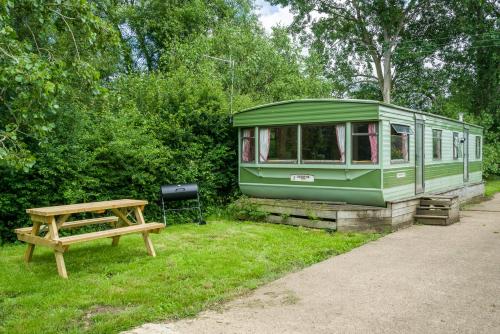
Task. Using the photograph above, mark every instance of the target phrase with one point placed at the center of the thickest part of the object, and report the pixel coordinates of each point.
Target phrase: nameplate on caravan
(302, 178)
(400, 175)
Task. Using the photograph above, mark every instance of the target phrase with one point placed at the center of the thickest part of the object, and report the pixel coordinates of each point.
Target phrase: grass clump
(492, 186)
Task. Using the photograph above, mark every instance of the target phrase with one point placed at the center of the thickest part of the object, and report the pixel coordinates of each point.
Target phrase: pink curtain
(404, 139)
(372, 134)
(246, 149)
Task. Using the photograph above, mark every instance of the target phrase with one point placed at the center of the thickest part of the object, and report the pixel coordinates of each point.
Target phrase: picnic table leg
(115, 241)
(61, 266)
(145, 235)
(31, 247)
(122, 215)
(149, 244)
(54, 235)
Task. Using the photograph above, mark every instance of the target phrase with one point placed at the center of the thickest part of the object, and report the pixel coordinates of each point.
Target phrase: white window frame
(409, 132)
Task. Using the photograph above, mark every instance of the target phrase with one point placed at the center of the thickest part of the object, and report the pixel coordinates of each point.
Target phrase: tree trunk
(384, 74)
(386, 93)
(387, 86)
(387, 80)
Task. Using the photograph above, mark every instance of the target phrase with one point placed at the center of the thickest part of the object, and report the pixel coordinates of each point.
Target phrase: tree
(51, 53)
(472, 66)
(151, 29)
(360, 39)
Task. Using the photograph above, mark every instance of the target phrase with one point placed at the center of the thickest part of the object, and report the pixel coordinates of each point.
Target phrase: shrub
(144, 131)
(491, 160)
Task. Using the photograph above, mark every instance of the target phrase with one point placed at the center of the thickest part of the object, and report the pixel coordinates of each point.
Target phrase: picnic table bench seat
(73, 239)
(74, 224)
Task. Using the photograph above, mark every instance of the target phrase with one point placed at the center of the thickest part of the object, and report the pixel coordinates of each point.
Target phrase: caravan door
(466, 155)
(419, 157)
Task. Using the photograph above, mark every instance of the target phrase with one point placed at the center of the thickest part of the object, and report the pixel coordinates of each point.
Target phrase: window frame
(285, 161)
(242, 138)
(321, 162)
(440, 131)
(352, 134)
(455, 148)
(478, 149)
(399, 161)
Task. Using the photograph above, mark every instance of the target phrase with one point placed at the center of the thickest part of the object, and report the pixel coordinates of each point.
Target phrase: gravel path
(423, 279)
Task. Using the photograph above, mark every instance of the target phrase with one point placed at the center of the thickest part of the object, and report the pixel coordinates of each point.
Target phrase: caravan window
(478, 147)
(323, 143)
(436, 144)
(400, 138)
(278, 144)
(456, 144)
(248, 145)
(365, 142)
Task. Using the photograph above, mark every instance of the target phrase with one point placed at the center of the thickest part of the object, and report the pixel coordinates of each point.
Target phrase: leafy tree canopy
(49, 51)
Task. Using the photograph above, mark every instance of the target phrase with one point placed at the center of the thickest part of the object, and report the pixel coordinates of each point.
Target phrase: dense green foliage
(110, 99)
(116, 288)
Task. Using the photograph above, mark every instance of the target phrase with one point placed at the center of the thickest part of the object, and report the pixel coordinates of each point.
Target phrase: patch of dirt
(208, 285)
(9, 294)
(271, 294)
(271, 298)
(97, 310)
(255, 303)
(290, 298)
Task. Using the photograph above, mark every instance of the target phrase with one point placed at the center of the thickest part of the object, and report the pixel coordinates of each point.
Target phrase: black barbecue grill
(181, 192)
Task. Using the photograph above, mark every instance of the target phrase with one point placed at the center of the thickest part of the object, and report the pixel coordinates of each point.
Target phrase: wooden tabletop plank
(85, 207)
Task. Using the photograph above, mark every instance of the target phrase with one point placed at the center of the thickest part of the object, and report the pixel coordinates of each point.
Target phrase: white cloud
(271, 16)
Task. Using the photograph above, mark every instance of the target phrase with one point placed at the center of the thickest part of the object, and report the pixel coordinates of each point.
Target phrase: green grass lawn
(116, 288)
(492, 186)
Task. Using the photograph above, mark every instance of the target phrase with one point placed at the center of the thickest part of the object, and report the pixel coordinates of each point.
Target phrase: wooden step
(73, 224)
(435, 207)
(440, 202)
(149, 227)
(439, 196)
(432, 220)
(433, 211)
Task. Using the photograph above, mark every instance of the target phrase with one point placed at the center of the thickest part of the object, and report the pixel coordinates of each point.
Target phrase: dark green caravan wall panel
(441, 170)
(406, 176)
(295, 112)
(350, 195)
(475, 166)
(338, 178)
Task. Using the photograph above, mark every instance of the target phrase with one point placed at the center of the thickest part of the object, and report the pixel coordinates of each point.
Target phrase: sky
(270, 15)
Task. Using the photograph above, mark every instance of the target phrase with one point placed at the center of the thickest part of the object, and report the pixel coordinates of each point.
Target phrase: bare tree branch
(366, 76)
(70, 30)
(34, 39)
(9, 55)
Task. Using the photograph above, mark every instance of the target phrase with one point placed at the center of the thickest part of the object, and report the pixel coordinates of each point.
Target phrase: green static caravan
(353, 151)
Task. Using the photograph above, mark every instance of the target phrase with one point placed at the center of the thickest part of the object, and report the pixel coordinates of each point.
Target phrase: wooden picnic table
(54, 218)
